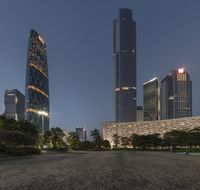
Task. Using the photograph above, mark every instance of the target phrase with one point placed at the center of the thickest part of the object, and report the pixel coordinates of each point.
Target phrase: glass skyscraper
(151, 90)
(176, 95)
(37, 83)
(14, 104)
(82, 133)
(124, 58)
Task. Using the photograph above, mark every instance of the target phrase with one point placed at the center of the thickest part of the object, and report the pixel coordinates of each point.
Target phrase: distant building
(82, 134)
(176, 95)
(66, 135)
(124, 58)
(14, 102)
(140, 113)
(37, 83)
(151, 90)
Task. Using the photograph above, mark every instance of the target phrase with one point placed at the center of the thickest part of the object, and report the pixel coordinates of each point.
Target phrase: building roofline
(153, 79)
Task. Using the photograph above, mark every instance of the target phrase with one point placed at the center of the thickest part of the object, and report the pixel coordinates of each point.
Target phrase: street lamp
(43, 113)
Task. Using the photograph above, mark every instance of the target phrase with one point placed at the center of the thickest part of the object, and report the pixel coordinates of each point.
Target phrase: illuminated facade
(14, 102)
(37, 83)
(148, 127)
(151, 90)
(176, 95)
(124, 58)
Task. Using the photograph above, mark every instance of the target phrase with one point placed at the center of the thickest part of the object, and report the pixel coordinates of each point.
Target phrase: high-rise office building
(37, 83)
(124, 58)
(82, 134)
(151, 90)
(176, 95)
(14, 102)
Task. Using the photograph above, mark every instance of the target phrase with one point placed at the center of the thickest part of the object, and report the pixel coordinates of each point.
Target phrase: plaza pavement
(112, 170)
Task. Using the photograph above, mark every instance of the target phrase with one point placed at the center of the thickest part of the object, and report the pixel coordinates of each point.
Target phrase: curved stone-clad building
(148, 127)
(37, 83)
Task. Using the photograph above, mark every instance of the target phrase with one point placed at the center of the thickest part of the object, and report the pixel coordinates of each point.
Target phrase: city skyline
(73, 100)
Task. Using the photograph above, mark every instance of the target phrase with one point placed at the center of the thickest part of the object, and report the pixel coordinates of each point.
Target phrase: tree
(15, 138)
(125, 141)
(106, 144)
(96, 139)
(57, 137)
(27, 127)
(137, 140)
(48, 139)
(86, 145)
(40, 141)
(152, 140)
(73, 140)
(18, 137)
(8, 123)
(175, 138)
(2, 121)
(116, 141)
(193, 138)
(157, 140)
(17, 133)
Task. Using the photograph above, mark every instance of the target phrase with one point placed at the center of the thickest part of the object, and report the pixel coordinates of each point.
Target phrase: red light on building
(181, 70)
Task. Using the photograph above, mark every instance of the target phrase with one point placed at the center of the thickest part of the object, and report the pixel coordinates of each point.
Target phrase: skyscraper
(14, 102)
(124, 58)
(176, 95)
(82, 134)
(37, 83)
(151, 90)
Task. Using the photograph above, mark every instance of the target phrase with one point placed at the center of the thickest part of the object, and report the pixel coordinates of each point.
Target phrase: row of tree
(17, 136)
(97, 142)
(22, 136)
(172, 139)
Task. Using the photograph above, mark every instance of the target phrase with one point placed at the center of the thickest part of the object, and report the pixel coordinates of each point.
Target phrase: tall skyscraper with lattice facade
(37, 83)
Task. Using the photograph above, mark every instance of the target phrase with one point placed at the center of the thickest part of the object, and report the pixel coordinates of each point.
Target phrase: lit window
(44, 113)
(38, 90)
(181, 70)
(125, 88)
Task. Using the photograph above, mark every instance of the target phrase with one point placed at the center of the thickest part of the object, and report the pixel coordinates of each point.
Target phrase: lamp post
(42, 114)
(43, 123)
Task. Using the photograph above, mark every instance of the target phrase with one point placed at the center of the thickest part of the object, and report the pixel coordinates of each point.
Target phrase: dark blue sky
(78, 34)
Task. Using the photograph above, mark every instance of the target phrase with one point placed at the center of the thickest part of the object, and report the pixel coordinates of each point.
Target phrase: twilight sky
(78, 34)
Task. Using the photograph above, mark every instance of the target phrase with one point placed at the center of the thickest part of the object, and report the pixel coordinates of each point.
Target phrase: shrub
(23, 151)
(64, 149)
(2, 147)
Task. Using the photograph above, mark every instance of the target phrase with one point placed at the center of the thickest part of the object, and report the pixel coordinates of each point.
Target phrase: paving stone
(110, 170)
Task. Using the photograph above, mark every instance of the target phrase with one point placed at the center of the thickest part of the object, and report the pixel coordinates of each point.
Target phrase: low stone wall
(150, 127)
